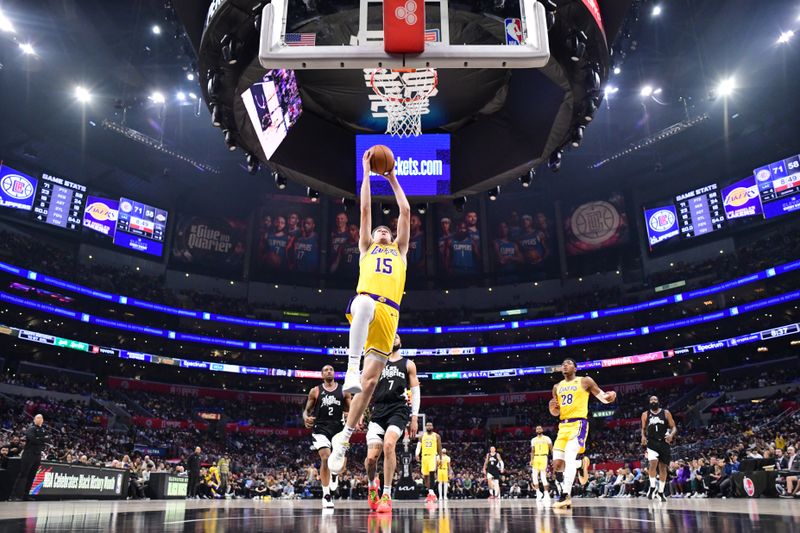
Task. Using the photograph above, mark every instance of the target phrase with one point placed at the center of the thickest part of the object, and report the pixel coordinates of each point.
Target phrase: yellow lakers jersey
(444, 463)
(382, 271)
(428, 443)
(540, 445)
(573, 399)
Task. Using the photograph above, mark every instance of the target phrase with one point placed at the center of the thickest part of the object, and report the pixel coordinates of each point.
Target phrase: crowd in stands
(705, 454)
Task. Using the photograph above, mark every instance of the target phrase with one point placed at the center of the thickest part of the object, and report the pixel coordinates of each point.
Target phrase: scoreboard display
(140, 227)
(700, 211)
(59, 202)
(779, 187)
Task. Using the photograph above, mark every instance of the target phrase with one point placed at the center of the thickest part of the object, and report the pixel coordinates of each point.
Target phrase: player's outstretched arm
(308, 420)
(673, 429)
(644, 427)
(416, 396)
(553, 406)
(404, 220)
(597, 392)
(365, 232)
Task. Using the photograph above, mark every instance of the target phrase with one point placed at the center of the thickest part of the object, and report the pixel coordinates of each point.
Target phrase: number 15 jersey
(382, 271)
(573, 399)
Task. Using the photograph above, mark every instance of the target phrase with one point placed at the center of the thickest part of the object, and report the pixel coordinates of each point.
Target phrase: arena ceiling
(110, 48)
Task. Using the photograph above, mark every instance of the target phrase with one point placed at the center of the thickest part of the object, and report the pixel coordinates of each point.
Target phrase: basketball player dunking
(390, 416)
(326, 407)
(374, 311)
(657, 439)
(571, 404)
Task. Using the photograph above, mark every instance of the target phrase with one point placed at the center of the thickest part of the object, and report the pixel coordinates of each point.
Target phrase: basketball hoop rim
(395, 99)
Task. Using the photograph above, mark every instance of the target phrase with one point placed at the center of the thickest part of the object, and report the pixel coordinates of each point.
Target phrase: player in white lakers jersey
(571, 404)
(374, 311)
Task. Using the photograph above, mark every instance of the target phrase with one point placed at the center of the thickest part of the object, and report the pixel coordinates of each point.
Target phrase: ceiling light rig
(657, 137)
(156, 145)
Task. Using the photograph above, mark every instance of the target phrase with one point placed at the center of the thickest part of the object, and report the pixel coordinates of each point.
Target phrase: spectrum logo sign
(16, 189)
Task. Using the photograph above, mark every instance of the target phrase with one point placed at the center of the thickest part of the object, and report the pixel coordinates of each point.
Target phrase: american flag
(432, 36)
(301, 39)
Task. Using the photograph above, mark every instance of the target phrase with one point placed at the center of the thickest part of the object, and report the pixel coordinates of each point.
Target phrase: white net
(405, 96)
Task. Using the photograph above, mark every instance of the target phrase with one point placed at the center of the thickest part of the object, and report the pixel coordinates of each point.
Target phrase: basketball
(382, 160)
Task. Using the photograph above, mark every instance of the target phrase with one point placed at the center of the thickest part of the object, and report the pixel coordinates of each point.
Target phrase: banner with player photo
(287, 238)
(522, 236)
(459, 240)
(343, 250)
(217, 245)
(596, 225)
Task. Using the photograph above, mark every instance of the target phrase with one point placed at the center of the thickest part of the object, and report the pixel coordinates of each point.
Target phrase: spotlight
(589, 110)
(493, 193)
(181, 96)
(577, 46)
(422, 209)
(459, 203)
(193, 96)
(312, 194)
(252, 163)
(280, 180)
(229, 50)
(230, 142)
(610, 89)
(82, 94)
(27, 49)
(555, 161)
(157, 97)
(190, 76)
(657, 10)
(527, 179)
(646, 91)
(785, 37)
(156, 29)
(577, 136)
(5, 24)
(216, 116)
(385, 209)
(617, 71)
(657, 91)
(726, 87)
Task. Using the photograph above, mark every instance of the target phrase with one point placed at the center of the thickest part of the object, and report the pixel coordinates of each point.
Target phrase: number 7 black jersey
(390, 393)
(329, 409)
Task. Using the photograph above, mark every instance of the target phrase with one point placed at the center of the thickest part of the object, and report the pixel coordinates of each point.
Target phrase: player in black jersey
(325, 411)
(391, 414)
(657, 439)
(493, 468)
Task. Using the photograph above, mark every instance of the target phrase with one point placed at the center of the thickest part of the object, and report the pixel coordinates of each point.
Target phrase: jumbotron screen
(59, 202)
(273, 105)
(422, 164)
(140, 227)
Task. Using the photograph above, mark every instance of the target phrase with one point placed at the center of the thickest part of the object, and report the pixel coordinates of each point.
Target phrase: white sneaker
(539, 495)
(339, 449)
(352, 382)
(327, 502)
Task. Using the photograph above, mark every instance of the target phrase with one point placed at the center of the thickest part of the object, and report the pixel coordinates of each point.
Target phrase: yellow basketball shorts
(572, 429)
(382, 329)
(539, 463)
(428, 465)
(441, 476)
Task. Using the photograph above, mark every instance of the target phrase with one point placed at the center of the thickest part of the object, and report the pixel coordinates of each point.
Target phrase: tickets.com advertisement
(422, 164)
